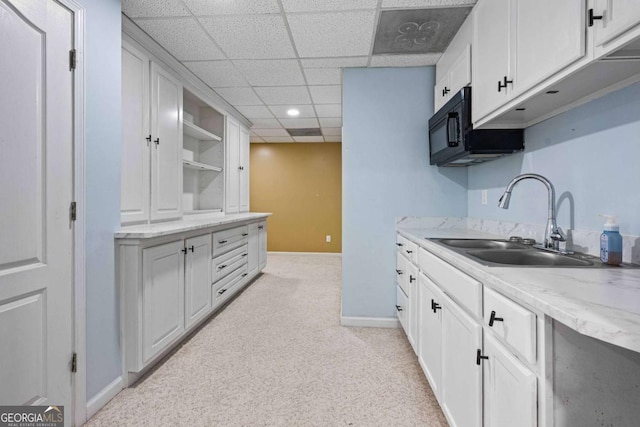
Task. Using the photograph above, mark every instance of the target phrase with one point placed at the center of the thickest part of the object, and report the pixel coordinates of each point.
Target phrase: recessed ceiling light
(293, 112)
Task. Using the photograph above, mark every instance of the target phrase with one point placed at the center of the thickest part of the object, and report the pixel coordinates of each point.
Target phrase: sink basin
(530, 257)
(482, 244)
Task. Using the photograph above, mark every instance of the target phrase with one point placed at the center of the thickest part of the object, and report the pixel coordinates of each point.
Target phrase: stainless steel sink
(531, 257)
(482, 244)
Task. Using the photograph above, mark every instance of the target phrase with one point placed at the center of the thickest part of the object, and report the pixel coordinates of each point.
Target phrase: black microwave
(454, 142)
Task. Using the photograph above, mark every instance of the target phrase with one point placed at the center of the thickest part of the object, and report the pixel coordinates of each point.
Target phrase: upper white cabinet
(237, 186)
(512, 47)
(612, 20)
(151, 140)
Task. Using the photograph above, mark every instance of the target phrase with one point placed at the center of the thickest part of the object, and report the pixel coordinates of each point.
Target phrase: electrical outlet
(328, 238)
(484, 197)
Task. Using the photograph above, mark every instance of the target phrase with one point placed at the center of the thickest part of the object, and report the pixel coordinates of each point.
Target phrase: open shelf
(198, 133)
(202, 211)
(200, 166)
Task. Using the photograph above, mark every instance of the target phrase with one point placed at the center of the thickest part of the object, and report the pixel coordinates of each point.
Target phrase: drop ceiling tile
(323, 76)
(308, 139)
(405, 60)
(334, 122)
(264, 133)
(271, 72)
(333, 139)
(182, 37)
(153, 8)
(284, 95)
(254, 138)
(250, 36)
(278, 139)
(235, 7)
(425, 3)
(239, 96)
(265, 124)
(326, 94)
(327, 5)
(217, 73)
(253, 112)
(332, 34)
(280, 111)
(356, 61)
(329, 110)
(332, 131)
(299, 123)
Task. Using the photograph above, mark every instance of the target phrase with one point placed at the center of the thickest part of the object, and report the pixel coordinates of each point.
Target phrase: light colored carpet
(277, 356)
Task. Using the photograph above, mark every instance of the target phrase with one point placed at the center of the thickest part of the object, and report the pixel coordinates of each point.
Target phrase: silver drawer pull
(220, 267)
(260, 227)
(244, 254)
(222, 241)
(245, 234)
(245, 274)
(222, 291)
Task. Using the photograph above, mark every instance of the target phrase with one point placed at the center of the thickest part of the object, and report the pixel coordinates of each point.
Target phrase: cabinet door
(262, 254)
(412, 304)
(490, 55)
(461, 376)
(244, 169)
(618, 17)
(232, 186)
(162, 297)
(253, 249)
(539, 25)
(460, 73)
(510, 392)
(430, 331)
(134, 184)
(441, 96)
(166, 152)
(197, 278)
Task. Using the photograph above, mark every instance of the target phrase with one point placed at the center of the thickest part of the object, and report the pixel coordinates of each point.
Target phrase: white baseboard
(104, 396)
(306, 253)
(370, 322)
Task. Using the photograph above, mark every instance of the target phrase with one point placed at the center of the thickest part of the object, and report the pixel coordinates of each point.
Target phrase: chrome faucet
(553, 235)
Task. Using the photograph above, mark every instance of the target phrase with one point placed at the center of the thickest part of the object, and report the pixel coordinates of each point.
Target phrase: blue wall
(103, 148)
(591, 154)
(386, 173)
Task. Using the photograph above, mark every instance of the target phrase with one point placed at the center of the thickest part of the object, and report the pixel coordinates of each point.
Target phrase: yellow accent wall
(302, 185)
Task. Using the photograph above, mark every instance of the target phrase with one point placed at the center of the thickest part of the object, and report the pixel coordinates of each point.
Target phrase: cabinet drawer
(466, 290)
(228, 262)
(407, 248)
(402, 308)
(514, 324)
(401, 271)
(226, 240)
(227, 286)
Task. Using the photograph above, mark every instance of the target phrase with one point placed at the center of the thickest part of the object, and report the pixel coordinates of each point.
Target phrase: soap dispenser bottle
(611, 242)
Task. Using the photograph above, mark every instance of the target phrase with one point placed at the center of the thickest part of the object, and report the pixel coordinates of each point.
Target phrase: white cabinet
(262, 245)
(162, 297)
(461, 392)
(237, 187)
(454, 79)
(614, 19)
(152, 140)
(197, 278)
(257, 247)
(412, 287)
(510, 389)
(511, 51)
(430, 300)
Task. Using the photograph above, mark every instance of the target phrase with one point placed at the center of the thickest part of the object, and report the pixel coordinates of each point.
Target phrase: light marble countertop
(600, 303)
(188, 223)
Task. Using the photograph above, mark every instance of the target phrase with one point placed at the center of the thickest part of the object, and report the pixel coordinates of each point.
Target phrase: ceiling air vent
(417, 31)
(305, 132)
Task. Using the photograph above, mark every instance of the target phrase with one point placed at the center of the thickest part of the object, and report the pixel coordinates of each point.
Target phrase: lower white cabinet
(510, 389)
(262, 245)
(254, 248)
(430, 300)
(162, 297)
(197, 278)
(407, 277)
(461, 376)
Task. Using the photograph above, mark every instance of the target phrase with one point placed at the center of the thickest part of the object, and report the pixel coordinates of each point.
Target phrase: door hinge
(72, 59)
(73, 211)
(74, 363)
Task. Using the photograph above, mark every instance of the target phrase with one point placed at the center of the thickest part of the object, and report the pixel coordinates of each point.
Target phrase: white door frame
(79, 411)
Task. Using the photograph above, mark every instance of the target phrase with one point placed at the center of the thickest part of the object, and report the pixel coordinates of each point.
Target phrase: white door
(618, 17)
(162, 297)
(36, 189)
(136, 136)
(262, 254)
(244, 169)
(166, 155)
(412, 285)
(441, 92)
(461, 376)
(510, 392)
(253, 249)
(430, 330)
(233, 153)
(197, 278)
